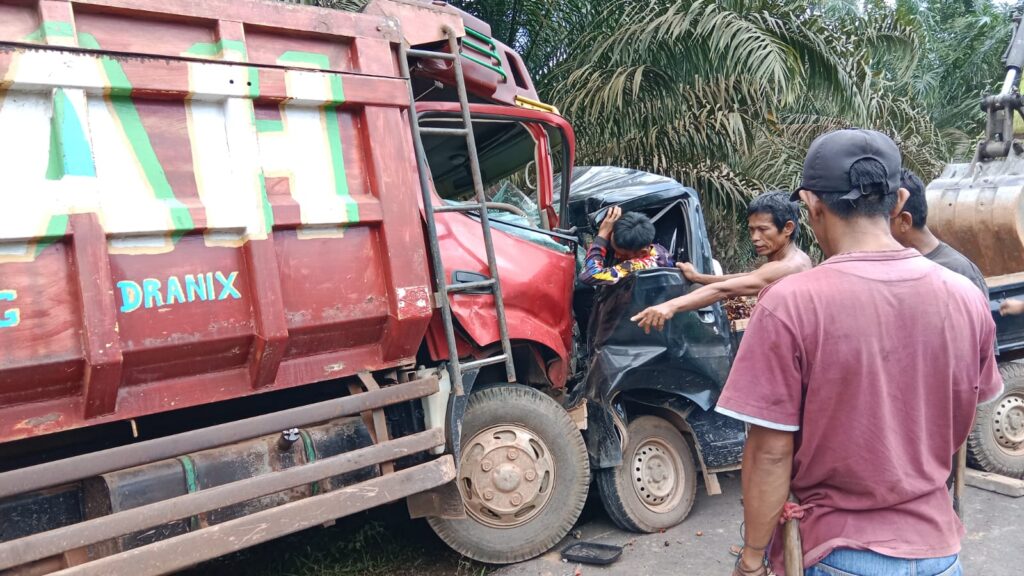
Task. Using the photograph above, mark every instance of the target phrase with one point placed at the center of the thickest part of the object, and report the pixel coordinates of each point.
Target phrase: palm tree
(726, 95)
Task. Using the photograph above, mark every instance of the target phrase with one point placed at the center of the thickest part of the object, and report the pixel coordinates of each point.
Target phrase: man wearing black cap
(859, 379)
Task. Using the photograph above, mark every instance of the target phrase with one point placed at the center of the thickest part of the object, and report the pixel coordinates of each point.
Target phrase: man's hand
(654, 317)
(608, 224)
(1011, 307)
(689, 272)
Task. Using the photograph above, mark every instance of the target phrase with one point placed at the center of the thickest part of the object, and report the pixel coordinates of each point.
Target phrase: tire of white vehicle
(996, 443)
(524, 475)
(656, 485)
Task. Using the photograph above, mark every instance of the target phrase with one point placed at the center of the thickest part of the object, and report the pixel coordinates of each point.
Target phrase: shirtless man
(773, 223)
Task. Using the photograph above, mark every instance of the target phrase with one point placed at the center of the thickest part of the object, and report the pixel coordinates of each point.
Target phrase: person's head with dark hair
(916, 206)
(773, 221)
(909, 226)
(632, 235)
(851, 185)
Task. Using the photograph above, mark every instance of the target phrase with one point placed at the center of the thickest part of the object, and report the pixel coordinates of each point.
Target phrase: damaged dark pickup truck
(650, 397)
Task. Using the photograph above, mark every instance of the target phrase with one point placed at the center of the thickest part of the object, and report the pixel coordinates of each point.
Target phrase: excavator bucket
(978, 208)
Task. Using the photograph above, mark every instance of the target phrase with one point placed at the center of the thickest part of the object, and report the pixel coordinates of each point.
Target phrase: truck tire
(656, 485)
(996, 443)
(523, 475)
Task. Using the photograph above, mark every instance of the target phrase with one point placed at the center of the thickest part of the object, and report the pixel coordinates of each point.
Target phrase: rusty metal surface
(54, 542)
(444, 501)
(99, 353)
(429, 19)
(189, 549)
(175, 290)
(79, 467)
(379, 428)
(979, 210)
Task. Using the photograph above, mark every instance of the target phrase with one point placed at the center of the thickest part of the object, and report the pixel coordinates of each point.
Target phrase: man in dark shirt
(910, 228)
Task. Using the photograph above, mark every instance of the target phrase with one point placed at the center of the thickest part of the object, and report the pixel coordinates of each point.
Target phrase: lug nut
(530, 475)
(486, 465)
(513, 454)
(488, 495)
(517, 499)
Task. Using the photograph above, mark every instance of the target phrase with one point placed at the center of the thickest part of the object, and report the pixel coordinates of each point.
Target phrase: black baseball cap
(828, 161)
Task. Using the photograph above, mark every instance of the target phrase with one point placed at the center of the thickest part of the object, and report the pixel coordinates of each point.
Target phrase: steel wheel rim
(657, 476)
(1008, 424)
(506, 476)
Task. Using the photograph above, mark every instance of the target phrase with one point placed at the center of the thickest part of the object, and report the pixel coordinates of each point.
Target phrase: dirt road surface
(994, 545)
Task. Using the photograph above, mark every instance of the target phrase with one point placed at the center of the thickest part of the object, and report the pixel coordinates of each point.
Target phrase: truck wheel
(656, 485)
(996, 443)
(523, 475)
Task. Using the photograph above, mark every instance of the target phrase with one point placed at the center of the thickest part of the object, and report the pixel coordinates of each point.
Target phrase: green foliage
(726, 95)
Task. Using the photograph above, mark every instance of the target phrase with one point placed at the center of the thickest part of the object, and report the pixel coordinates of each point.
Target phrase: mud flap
(445, 501)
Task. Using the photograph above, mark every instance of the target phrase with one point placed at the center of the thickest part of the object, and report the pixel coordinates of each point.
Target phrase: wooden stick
(792, 548)
(959, 481)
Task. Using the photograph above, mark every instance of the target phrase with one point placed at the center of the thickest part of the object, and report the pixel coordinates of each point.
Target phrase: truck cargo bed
(203, 201)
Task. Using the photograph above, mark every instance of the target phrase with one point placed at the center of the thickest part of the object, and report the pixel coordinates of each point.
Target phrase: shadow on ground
(383, 541)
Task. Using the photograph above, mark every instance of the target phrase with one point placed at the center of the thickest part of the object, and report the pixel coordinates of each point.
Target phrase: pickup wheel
(523, 475)
(656, 485)
(996, 443)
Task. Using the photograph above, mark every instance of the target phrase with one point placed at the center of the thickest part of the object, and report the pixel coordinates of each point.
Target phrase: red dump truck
(249, 283)
(215, 232)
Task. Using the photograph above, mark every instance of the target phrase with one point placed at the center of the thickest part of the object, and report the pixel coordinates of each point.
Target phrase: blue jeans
(846, 562)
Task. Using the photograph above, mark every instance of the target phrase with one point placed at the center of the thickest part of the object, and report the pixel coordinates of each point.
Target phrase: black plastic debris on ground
(592, 553)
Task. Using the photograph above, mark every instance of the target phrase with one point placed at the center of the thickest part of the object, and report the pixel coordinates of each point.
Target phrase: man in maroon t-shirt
(859, 379)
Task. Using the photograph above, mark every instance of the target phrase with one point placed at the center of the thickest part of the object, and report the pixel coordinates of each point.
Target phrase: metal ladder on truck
(445, 290)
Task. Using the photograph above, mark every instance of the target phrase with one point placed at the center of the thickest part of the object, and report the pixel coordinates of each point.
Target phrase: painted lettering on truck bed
(253, 184)
(151, 292)
(12, 316)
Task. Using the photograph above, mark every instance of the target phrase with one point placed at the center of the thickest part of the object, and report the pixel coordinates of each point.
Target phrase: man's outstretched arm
(691, 274)
(743, 285)
(767, 465)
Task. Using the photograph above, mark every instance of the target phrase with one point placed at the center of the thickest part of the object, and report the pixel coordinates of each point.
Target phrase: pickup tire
(996, 443)
(523, 475)
(656, 485)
